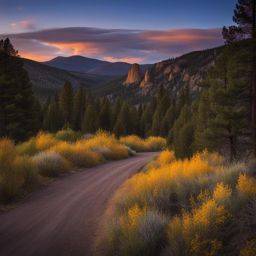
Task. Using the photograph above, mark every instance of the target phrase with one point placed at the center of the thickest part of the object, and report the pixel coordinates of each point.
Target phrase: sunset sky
(114, 30)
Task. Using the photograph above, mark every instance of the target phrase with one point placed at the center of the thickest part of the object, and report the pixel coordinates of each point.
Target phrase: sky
(114, 30)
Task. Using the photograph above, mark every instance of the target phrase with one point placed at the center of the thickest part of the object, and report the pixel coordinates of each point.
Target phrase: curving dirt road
(62, 218)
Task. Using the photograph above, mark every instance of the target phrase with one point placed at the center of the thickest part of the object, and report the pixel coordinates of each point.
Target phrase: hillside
(47, 80)
(91, 66)
(173, 74)
(75, 63)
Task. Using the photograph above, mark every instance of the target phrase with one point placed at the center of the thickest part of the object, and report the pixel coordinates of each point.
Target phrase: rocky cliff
(147, 81)
(187, 70)
(174, 74)
(134, 75)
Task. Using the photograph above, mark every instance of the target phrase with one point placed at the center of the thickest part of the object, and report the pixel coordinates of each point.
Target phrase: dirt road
(62, 218)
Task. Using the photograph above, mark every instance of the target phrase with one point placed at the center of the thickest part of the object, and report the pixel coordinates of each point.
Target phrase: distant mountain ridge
(141, 84)
(91, 66)
(47, 80)
(186, 71)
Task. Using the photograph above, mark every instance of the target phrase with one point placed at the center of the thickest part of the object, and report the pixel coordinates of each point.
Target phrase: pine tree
(52, 120)
(228, 97)
(38, 112)
(245, 18)
(157, 121)
(66, 103)
(18, 117)
(183, 98)
(140, 125)
(134, 120)
(123, 123)
(90, 124)
(115, 112)
(79, 107)
(168, 121)
(202, 122)
(147, 117)
(105, 115)
(182, 134)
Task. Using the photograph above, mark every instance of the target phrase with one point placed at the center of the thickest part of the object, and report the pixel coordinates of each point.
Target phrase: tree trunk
(253, 86)
(233, 152)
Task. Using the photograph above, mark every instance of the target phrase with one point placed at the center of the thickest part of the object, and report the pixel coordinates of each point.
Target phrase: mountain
(75, 63)
(137, 84)
(91, 66)
(111, 69)
(174, 74)
(48, 80)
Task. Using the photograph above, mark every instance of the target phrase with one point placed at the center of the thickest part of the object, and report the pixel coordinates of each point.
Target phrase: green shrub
(68, 135)
(27, 148)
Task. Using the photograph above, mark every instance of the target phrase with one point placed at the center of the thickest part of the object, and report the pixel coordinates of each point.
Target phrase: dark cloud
(147, 45)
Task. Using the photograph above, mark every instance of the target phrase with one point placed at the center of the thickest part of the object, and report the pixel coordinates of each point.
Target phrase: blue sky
(28, 16)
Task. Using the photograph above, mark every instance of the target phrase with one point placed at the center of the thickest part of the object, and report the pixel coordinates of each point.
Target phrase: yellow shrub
(213, 158)
(134, 214)
(7, 154)
(222, 193)
(246, 185)
(195, 233)
(45, 140)
(249, 249)
(16, 172)
(166, 157)
(203, 196)
(128, 223)
(205, 247)
(27, 148)
(68, 135)
(175, 228)
(134, 142)
(155, 143)
(107, 145)
(77, 154)
(209, 215)
(140, 145)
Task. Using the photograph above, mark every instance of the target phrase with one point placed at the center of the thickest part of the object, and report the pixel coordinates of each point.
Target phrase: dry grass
(142, 145)
(16, 172)
(51, 164)
(51, 155)
(201, 197)
(68, 135)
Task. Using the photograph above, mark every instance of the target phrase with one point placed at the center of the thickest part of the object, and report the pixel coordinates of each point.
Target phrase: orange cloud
(74, 48)
(142, 46)
(178, 36)
(35, 56)
(126, 59)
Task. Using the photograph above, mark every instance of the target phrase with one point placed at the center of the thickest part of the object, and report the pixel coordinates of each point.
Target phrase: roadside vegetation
(152, 143)
(197, 206)
(24, 166)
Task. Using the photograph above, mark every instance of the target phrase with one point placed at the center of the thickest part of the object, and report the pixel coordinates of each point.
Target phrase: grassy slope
(194, 207)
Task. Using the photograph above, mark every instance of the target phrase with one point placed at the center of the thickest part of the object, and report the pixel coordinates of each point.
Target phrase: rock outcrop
(134, 75)
(146, 82)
